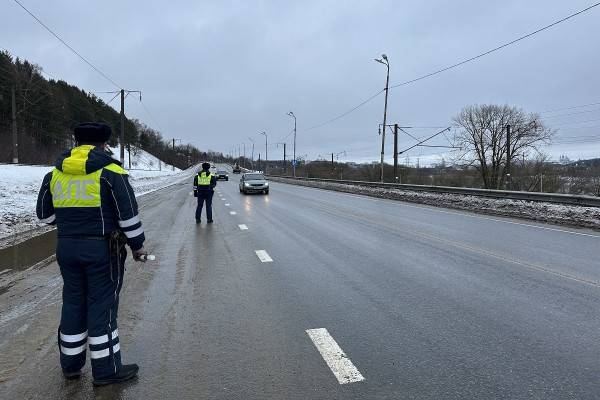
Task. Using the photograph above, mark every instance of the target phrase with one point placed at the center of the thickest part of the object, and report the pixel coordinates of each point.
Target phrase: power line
(114, 97)
(424, 140)
(568, 115)
(455, 65)
(67, 45)
(346, 113)
(414, 137)
(495, 48)
(577, 122)
(150, 115)
(570, 108)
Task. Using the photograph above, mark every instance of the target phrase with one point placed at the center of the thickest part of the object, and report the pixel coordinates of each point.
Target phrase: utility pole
(387, 83)
(129, 153)
(15, 139)
(244, 143)
(396, 152)
(122, 139)
(284, 150)
(508, 155)
(174, 139)
(332, 165)
(259, 166)
(294, 162)
(284, 163)
(266, 151)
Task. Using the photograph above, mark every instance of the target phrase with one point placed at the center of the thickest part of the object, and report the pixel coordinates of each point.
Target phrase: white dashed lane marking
(232, 212)
(334, 356)
(227, 204)
(263, 256)
(243, 227)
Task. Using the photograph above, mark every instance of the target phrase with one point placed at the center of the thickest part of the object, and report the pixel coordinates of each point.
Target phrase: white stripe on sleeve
(49, 220)
(129, 222)
(135, 233)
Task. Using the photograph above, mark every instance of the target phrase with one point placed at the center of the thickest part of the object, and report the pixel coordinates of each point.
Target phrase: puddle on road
(29, 252)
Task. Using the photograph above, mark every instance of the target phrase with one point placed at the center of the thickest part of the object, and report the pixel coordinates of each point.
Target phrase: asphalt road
(425, 303)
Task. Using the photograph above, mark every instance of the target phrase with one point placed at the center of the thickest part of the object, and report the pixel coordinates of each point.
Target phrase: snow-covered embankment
(19, 186)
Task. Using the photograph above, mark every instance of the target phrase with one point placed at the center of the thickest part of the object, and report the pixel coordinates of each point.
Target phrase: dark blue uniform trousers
(204, 196)
(92, 281)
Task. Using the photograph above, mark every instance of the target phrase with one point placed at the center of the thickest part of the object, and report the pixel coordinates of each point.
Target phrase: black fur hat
(92, 132)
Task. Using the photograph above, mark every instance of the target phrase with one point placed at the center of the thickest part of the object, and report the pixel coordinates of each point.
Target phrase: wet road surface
(311, 294)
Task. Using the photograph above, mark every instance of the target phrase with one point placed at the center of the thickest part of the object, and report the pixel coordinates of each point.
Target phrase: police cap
(92, 132)
(205, 166)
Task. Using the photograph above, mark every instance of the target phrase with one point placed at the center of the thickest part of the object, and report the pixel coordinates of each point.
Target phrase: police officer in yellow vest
(88, 196)
(204, 188)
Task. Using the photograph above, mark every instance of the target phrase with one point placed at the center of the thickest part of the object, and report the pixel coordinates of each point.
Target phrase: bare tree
(482, 137)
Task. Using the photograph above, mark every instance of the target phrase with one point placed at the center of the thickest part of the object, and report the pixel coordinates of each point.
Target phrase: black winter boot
(125, 373)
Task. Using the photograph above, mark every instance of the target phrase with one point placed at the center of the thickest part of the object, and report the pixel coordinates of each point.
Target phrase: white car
(252, 182)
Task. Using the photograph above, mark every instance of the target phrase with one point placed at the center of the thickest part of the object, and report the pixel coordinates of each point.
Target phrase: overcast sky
(216, 73)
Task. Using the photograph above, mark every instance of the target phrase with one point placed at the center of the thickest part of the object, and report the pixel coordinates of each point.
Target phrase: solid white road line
(243, 227)
(232, 212)
(334, 356)
(263, 256)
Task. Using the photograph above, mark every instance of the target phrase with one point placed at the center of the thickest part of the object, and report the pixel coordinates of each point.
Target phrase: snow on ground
(141, 160)
(588, 217)
(19, 186)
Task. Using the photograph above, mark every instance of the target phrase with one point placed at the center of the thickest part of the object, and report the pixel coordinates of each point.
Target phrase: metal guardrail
(589, 201)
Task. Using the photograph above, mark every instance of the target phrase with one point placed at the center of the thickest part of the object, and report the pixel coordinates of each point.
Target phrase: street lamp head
(384, 57)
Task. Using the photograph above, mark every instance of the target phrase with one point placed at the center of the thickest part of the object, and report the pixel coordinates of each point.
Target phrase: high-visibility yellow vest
(204, 178)
(72, 187)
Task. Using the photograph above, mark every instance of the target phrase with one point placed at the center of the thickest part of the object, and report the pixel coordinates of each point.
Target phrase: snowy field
(19, 185)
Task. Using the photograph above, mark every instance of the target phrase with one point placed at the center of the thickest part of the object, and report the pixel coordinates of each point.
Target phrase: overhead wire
(455, 65)
(345, 113)
(570, 114)
(570, 108)
(439, 71)
(68, 46)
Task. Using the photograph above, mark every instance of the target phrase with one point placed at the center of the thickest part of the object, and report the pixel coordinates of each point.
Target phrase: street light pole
(266, 151)
(252, 140)
(291, 114)
(384, 60)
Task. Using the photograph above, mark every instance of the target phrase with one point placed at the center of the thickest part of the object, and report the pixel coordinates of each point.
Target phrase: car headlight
(266, 183)
(246, 184)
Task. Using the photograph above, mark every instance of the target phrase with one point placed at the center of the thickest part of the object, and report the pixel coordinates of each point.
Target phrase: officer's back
(88, 196)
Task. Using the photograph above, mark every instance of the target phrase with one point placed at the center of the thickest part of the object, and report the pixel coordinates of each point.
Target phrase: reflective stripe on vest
(204, 179)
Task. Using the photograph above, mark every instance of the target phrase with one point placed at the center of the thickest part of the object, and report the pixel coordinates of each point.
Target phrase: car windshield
(221, 172)
(254, 177)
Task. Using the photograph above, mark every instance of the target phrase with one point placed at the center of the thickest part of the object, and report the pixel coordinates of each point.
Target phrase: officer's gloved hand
(140, 254)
